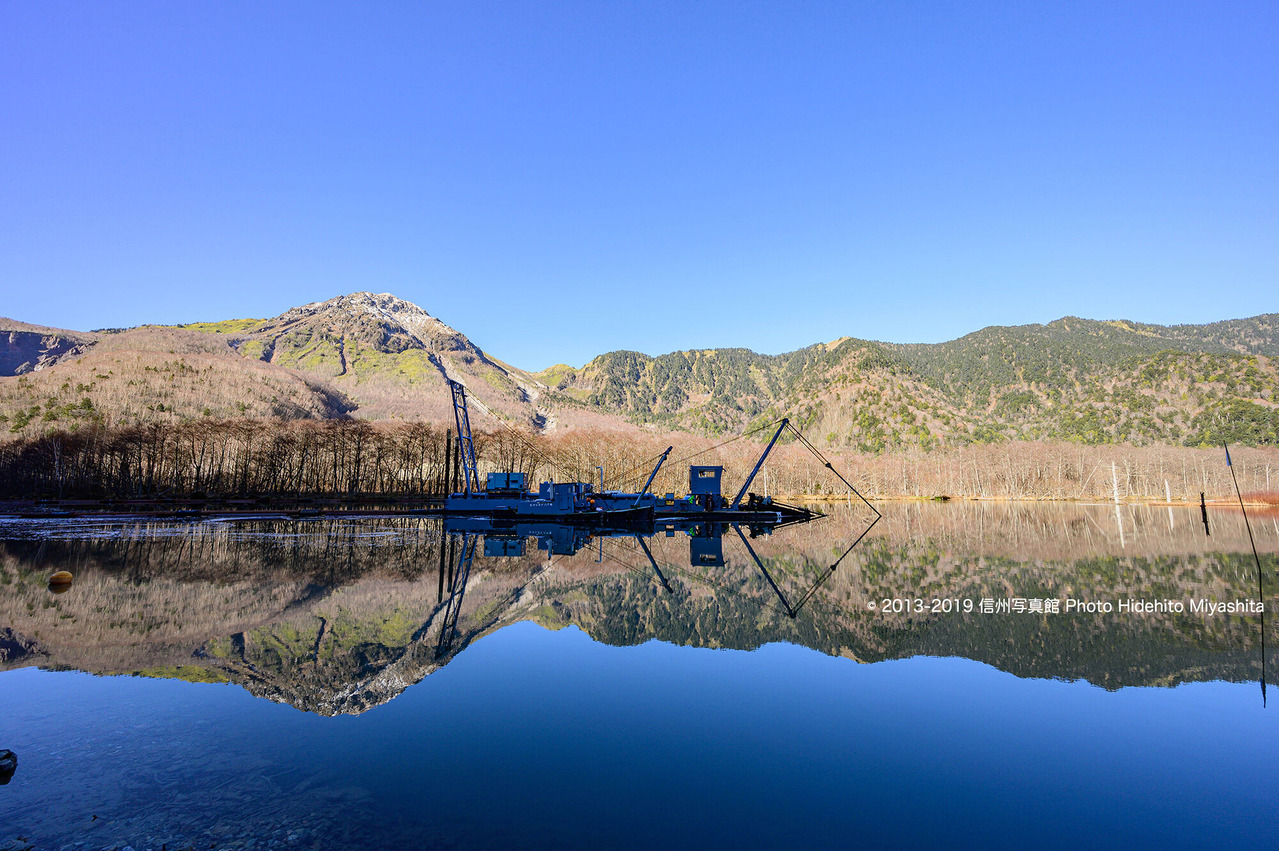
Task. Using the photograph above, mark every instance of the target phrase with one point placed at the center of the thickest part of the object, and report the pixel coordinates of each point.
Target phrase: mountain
(1071, 348)
(388, 353)
(370, 356)
(1073, 379)
(378, 357)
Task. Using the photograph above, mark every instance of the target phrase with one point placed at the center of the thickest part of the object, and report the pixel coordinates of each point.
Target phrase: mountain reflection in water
(337, 616)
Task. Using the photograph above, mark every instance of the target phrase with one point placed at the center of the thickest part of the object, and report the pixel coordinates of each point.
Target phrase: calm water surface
(352, 684)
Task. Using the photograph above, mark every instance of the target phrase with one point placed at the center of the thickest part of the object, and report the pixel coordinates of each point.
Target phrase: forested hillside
(1073, 379)
(377, 357)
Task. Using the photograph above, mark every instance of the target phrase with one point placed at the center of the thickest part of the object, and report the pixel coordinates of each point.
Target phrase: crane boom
(760, 463)
(653, 475)
(465, 446)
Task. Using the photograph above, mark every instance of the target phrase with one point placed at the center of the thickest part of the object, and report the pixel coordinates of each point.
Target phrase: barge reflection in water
(576, 677)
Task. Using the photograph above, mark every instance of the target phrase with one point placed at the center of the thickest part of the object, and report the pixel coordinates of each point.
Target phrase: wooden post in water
(1114, 480)
(439, 597)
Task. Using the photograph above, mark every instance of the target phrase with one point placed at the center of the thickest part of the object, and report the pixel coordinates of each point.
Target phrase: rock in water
(8, 765)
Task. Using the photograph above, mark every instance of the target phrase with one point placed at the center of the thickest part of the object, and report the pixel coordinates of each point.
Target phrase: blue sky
(561, 179)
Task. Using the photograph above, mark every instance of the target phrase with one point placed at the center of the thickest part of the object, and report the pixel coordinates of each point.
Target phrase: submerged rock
(8, 765)
(60, 582)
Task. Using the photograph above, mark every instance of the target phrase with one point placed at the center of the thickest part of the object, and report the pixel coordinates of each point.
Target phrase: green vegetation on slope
(1073, 379)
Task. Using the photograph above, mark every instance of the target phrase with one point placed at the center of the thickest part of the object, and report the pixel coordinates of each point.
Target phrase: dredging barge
(506, 495)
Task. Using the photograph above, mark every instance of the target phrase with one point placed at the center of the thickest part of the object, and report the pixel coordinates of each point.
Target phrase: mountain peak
(384, 321)
(381, 306)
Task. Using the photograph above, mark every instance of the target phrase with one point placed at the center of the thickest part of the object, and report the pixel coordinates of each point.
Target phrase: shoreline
(1213, 501)
(408, 507)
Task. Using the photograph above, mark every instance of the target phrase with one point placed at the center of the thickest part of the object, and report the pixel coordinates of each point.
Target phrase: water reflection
(336, 616)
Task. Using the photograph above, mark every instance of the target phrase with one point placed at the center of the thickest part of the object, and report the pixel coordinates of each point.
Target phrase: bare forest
(249, 458)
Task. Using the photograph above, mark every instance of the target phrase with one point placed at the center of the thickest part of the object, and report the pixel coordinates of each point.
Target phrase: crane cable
(528, 444)
(625, 476)
(817, 453)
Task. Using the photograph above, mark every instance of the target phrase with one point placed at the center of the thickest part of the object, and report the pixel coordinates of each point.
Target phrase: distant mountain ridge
(375, 356)
(1073, 379)
(1052, 352)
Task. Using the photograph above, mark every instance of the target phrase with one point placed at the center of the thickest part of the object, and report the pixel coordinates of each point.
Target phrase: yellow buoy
(60, 582)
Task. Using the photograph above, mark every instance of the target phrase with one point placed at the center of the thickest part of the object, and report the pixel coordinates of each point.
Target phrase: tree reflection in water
(336, 616)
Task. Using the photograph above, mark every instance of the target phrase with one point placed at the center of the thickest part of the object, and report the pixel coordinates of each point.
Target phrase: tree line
(353, 458)
(227, 458)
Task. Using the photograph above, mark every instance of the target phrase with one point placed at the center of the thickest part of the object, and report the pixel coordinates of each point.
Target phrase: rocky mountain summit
(316, 336)
(391, 324)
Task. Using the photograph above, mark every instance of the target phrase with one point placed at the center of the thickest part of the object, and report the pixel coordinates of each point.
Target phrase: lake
(996, 675)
